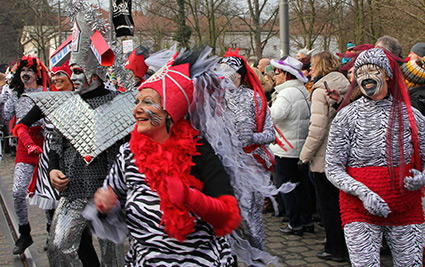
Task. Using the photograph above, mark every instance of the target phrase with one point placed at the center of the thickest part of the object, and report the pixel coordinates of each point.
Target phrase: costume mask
(28, 76)
(87, 26)
(371, 79)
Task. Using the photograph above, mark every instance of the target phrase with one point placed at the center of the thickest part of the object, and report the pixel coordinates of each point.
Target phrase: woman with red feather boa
(174, 189)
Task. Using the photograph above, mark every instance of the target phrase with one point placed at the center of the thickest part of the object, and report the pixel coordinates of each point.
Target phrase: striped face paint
(149, 114)
(371, 79)
(154, 118)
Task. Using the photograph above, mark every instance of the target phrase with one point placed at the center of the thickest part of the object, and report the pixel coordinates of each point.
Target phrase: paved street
(291, 250)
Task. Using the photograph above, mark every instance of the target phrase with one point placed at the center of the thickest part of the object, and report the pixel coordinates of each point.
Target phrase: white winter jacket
(291, 114)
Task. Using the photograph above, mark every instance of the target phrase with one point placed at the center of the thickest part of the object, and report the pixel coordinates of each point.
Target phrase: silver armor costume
(89, 130)
(85, 175)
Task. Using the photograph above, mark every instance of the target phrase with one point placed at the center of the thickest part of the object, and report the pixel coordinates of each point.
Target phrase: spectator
(414, 75)
(269, 76)
(291, 113)
(306, 71)
(389, 43)
(417, 52)
(304, 53)
(350, 47)
(253, 62)
(324, 69)
(265, 84)
(262, 64)
(2, 122)
(12, 142)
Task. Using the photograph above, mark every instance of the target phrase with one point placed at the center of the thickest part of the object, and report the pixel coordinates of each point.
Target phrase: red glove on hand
(222, 212)
(21, 131)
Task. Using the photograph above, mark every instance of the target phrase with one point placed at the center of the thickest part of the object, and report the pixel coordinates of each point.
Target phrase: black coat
(417, 98)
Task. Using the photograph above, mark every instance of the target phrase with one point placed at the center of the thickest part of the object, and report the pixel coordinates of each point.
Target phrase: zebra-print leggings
(21, 179)
(364, 243)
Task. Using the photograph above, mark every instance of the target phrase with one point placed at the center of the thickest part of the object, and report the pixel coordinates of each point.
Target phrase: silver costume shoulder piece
(90, 131)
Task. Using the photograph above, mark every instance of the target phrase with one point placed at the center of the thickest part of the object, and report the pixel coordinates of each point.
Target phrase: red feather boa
(173, 158)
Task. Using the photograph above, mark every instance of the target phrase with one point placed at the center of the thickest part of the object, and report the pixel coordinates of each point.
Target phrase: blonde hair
(324, 63)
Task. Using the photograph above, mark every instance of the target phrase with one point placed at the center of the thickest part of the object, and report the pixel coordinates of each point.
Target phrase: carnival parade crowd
(182, 156)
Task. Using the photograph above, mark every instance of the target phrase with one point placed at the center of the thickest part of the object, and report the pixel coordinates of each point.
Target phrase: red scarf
(173, 158)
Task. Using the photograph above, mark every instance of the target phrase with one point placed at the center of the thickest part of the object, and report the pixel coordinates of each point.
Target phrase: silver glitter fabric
(65, 235)
(20, 106)
(90, 131)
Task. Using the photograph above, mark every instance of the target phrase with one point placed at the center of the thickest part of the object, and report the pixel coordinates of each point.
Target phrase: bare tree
(305, 16)
(39, 22)
(260, 18)
(404, 20)
(11, 28)
(209, 20)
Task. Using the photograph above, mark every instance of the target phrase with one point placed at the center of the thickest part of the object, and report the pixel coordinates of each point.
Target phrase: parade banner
(122, 19)
(62, 53)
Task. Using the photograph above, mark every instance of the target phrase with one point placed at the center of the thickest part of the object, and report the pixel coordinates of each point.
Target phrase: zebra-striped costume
(150, 245)
(357, 141)
(44, 196)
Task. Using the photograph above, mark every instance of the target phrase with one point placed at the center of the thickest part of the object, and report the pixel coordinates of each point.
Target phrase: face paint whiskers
(154, 118)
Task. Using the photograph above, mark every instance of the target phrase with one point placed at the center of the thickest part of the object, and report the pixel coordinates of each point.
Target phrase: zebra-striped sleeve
(337, 154)
(116, 177)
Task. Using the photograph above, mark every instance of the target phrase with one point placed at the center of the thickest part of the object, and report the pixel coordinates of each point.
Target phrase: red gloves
(21, 131)
(222, 212)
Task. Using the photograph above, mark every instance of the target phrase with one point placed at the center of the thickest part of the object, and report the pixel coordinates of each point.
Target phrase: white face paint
(371, 79)
(231, 74)
(29, 77)
(79, 79)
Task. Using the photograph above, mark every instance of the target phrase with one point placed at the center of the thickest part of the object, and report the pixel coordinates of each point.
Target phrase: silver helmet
(86, 23)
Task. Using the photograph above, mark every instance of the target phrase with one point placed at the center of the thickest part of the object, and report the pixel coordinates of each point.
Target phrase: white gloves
(415, 182)
(375, 204)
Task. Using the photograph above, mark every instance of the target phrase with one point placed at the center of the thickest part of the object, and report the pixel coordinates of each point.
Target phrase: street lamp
(284, 27)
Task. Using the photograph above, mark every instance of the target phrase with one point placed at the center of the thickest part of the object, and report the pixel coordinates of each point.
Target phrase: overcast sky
(103, 3)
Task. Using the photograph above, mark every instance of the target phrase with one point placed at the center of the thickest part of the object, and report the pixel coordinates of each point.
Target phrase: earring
(168, 124)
